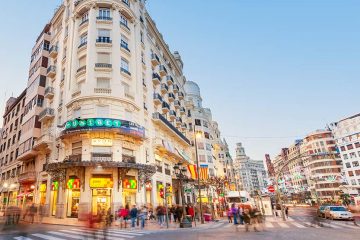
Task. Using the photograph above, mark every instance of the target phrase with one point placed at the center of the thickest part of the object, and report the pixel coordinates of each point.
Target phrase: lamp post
(180, 173)
(198, 177)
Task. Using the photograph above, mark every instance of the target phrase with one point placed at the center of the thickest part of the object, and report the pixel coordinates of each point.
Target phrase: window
(208, 147)
(98, 149)
(351, 173)
(205, 124)
(355, 164)
(141, 36)
(126, 2)
(352, 155)
(209, 159)
(84, 17)
(103, 83)
(347, 165)
(345, 156)
(200, 145)
(83, 39)
(128, 152)
(125, 65)
(353, 182)
(124, 43)
(104, 36)
(102, 111)
(342, 148)
(202, 158)
(124, 21)
(77, 148)
(350, 146)
(104, 13)
(206, 135)
(197, 122)
(103, 58)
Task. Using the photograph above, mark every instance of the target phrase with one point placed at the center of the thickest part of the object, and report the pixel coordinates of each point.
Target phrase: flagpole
(198, 176)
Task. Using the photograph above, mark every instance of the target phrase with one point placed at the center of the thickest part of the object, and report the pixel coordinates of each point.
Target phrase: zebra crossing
(272, 225)
(84, 234)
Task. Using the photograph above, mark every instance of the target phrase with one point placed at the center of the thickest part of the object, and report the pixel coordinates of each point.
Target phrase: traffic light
(169, 189)
(161, 191)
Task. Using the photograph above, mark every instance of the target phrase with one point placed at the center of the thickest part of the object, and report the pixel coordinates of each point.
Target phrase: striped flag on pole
(204, 172)
(192, 170)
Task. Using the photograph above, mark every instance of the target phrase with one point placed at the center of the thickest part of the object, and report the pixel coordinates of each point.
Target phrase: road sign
(271, 189)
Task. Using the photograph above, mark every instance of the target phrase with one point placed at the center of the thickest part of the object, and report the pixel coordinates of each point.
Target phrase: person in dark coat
(179, 213)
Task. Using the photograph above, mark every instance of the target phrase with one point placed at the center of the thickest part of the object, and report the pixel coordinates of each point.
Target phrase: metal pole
(198, 177)
(182, 197)
(279, 198)
(167, 214)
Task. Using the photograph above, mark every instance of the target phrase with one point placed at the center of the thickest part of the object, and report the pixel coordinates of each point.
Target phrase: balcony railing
(155, 59)
(101, 157)
(162, 71)
(172, 114)
(82, 44)
(171, 97)
(175, 88)
(181, 95)
(51, 71)
(169, 80)
(124, 25)
(127, 2)
(125, 46)
(125, 71)
(104, 18)
(47, 113)
(128, 158)
(49, 92)
(177, 104)
(73, 158)
(156, 79)
(84, 22)
(103, 65)
(103, 40)
(182, 111)
(164, 88)
(157, 99)
(53, 52)
(158, 116)
(27, 177)
(165, 107)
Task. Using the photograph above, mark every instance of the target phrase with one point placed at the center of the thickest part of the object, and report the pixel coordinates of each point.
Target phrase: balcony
(107, 67)
(155, 60)
(181, 95)
(175, 88)
(103, 19)
(156, 79)
(164, 88)
(157, 99)
(80, 71)
(162, 71)
(51, 71)
(82, 46)
(171, 97)
(123, 70)
(128, 158)
(103, 42)
(165, 107)
(169, 80)
(47, 114)
(101, 157)
(162, 121)
(172, 114)
(49, 92)
(125, 46)
(102, 90)
(27, 177)
(178, 121)
(182, 111)
(43, 142)
(73, 158)
(53, 52)
(177, 104)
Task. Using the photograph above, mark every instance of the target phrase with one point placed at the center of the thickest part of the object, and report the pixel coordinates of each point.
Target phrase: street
(300, 225)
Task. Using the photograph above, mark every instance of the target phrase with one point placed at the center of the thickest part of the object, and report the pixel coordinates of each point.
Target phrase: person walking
(247, 219)
(241, 215)
(286, 211)
(254, 218)
(143, 214)
(33, 211)
(229, 215)
(173, 212)
(133, 215)
(234, 212)
(160, 215)
(41, 213)
(191, 212)
(179, 213)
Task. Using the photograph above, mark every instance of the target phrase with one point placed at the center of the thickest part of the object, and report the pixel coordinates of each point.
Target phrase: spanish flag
(192, 170)
(204, 172)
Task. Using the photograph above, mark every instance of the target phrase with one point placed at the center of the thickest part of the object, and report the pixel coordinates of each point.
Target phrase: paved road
(300, 225)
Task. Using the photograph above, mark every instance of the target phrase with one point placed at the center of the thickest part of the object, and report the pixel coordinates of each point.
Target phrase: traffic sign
(271, 189)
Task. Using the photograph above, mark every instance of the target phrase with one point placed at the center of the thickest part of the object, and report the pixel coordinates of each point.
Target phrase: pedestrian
(124, 215)
(109, 218)
(241, 216)
(235, 213)
(133, 215)
(33, 211)
(191, 212)
(286, 211)
(41, 213)
(151, 214)
(254, 218)
(247, 219)
(160, 215)
(229, 215)
(179, 213)
(172, 210)
(143, 214)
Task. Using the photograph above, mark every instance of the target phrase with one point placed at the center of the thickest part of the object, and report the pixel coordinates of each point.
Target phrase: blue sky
(271, 71)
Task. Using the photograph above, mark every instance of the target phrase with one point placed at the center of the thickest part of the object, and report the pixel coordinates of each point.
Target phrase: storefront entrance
(54, 196)
(101, 201)
(73, 197)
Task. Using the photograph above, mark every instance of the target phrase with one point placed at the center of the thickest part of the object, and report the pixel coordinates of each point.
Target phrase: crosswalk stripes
(297, 225)
(283, 225)
(346, 225)
(84, 233)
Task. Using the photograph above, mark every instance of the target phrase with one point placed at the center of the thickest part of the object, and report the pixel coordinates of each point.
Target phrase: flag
(203, 172)
(192, 170)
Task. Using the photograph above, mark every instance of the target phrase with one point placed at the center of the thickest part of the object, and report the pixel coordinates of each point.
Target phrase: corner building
(113, 123)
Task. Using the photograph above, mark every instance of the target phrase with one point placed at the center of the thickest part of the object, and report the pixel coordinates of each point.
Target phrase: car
(321, 211)
(337, 212)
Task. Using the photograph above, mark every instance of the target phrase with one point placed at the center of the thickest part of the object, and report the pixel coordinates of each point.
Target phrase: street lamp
(196, 135)
(180, 173)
